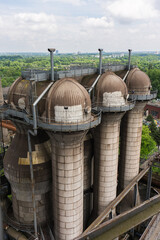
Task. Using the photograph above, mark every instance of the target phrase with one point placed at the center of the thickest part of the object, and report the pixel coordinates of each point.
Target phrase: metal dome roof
(67, 92)
(109, 82)
(21, 93)
(138, 81)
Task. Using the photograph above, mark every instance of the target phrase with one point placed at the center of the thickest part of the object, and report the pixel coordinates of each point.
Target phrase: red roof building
(153, 108)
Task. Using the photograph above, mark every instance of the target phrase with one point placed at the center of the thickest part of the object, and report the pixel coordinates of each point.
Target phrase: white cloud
(132, 10)
(36, 22)
(133, 30)
(152, 36)
(102, 22)
(27, 31)
(72, 2)
(31, 31)
(30, 24)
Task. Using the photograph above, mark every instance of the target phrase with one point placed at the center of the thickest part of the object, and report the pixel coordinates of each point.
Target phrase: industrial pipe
(126, 75)
(129, 59)
(34, 133)
(1, 94)
(100, 60)
(93, 85)
(33, 183)
(34, 109)
(15, 234)
(1, 223)
(8, 126)
(51, 50)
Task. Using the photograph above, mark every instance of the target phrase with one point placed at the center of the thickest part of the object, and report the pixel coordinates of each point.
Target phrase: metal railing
(72, 70)
(142, 96)
(121, 107)
(117, 200)
(151, 228)
(53, 124)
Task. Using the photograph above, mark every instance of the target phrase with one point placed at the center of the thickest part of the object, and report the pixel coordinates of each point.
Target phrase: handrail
(122, 223)
(148, 227)
(15, 111)
(117, 200)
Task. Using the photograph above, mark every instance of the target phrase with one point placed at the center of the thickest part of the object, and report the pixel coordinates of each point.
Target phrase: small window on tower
(65, 108)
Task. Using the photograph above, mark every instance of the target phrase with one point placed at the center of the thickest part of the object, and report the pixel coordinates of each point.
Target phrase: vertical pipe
(100, 60)
(149, 182)
(129, 59)
(135, 194)
(1, 94)
(3, 149)
(1, 103)
(1, 222)
(51, 50)
(33, 185)
(110, 215)
(52, 69)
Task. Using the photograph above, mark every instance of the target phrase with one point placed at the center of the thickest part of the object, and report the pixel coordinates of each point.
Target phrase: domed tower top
(138, 82)
(111, 91)
(68, 102)
(22, 91)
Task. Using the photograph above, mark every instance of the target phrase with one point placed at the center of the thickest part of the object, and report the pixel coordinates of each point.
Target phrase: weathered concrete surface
(88, 154)
(67, 184)
(106, 160)
(131, 132)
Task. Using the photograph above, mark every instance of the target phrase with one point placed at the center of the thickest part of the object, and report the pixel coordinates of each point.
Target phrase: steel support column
(149, 182)
(1, 223)
(124, 222)
(33, 185)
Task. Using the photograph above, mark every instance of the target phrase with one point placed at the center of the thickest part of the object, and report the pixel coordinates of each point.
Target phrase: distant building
(153, 108)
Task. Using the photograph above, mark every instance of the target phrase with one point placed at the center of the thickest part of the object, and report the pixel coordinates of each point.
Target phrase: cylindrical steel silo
(17, 162)
(111, 94)
(17, 171)
(139, 85)
(68, 105)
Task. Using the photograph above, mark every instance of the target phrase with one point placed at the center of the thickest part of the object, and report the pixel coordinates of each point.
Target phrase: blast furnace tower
(69, 106)
(112, 95)
(139, 87)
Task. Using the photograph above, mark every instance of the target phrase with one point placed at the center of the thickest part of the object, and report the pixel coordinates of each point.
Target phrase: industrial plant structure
(73, 166)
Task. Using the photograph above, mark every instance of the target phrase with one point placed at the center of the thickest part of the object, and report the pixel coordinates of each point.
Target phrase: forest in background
(11, 66)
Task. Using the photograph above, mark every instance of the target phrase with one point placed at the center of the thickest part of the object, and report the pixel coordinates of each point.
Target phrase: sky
(79, 25)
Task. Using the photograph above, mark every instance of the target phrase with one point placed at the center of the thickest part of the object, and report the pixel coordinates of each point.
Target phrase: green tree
(147, 143)
(153, 129)
(155, 133)
(156, 136)
(149, 118)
